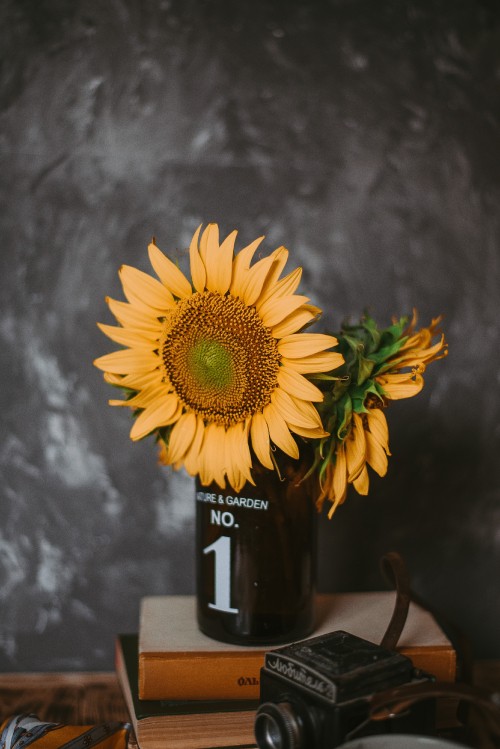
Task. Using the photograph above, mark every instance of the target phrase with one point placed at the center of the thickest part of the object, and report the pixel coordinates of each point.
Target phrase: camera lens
(278, 727)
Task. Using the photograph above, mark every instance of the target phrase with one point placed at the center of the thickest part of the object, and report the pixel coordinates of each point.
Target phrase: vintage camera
(316, 693)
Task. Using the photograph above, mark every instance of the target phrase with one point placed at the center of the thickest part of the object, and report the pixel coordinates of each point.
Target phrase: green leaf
(365, 368)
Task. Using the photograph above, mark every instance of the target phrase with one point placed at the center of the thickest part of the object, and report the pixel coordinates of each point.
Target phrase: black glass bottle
(256, 557)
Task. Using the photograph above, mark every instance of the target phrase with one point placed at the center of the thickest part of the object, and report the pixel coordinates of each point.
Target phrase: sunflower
(380, 366)
(401, 374)
(218, 368)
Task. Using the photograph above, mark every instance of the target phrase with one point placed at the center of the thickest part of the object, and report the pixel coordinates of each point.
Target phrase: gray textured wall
(365, 136)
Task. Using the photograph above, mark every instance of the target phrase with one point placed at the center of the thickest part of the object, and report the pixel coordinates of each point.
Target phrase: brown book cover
(176, 661)
(179, 724)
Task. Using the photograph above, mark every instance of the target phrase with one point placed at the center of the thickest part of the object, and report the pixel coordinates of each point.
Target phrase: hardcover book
(176, 661)
(167, 724)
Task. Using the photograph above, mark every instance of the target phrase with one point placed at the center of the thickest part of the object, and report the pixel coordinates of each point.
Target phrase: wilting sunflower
(380, 366)
(218, 367)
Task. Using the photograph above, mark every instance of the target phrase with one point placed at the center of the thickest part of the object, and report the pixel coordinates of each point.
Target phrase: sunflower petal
(294, 411)
(312, 434)
(212, 455)
(296, 384)
(143, 398)
(198, 272)
(127, 337)
(340, 476)
(241, 264)
(181, 437)
(295, 322)
(279, 432)
(305, 344)
(158, 414)
(375, 455)
(127, 360)
(362, 482)
(322, 362)
(259, 433)
(220, 261)
(144, 291)
(168, 273)
(377, 424)
(395, 388)
(210, 229)
(277, 308)
(255, 277)
(191, 460)
(129, 316)
(142, 380)
(286, 287)
(279, 258)
(238, 458)
(355, 448)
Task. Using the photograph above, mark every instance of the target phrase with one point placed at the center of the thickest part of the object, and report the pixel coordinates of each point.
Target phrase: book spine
(166, 677)
(200, 678)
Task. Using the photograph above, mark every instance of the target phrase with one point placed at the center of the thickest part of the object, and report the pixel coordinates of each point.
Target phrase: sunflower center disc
(220, 359)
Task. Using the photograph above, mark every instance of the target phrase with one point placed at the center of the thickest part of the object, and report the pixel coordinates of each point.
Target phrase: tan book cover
(180, 724)
(177, 661)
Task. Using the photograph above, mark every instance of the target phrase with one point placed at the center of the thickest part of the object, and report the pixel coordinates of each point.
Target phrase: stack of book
(185, 690)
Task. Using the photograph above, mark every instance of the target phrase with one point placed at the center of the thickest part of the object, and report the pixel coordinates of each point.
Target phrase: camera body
(315, 694)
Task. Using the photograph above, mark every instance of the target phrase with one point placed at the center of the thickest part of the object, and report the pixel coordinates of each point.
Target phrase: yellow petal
(338, 482)
(181, 437)
(340, 476)
(375, 455)
(198, 272)
(211, 232)
(296, 384)
(279, 258)
(305, 344)
(130, 316)
(141, 380)
(241, 264)
(112, 379)
(355, 448)
(213, 451)
(406, 388)
(143, 398)
(279, 432)
(156, 415)
(286, 287)
(377, 424)
(259, 433)
(362, 482)
(127, 337)
(277, 308)
(238, 458)
(144, 291)
(168, 273)
(219, 263)
(255, 278)
(312, 434)
(297, 412)
(295, 322)
(323, 362)
(191, 460)
(128, 360)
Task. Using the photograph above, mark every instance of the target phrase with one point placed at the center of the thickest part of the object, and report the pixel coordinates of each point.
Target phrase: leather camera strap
(394, 570)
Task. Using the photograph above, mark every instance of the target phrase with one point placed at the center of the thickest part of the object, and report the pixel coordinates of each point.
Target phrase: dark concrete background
(365, 136)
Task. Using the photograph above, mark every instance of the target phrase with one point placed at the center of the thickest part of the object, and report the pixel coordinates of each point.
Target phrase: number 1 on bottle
(222, 575)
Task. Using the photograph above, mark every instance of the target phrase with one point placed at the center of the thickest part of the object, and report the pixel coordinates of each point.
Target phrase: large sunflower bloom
(218, 365)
